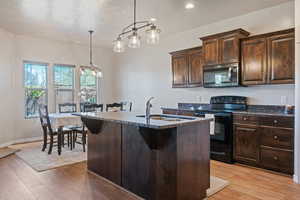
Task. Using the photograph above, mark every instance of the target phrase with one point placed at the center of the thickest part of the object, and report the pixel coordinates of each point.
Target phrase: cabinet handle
(275, 158)
(246, 129)
(245, 118)
(275, 121)
(275, 137)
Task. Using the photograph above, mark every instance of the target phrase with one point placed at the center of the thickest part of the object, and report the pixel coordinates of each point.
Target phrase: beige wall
(7, 62)
(147, 72)
(13, 51)
(297, 100)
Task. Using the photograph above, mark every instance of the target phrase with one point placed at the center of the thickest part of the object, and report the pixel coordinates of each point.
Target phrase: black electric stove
(221, 107)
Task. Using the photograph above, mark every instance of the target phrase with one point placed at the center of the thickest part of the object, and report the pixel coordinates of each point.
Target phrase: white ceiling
(69, 20)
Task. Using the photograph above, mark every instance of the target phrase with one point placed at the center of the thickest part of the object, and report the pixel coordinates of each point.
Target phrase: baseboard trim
(19, 141)
(296, 179)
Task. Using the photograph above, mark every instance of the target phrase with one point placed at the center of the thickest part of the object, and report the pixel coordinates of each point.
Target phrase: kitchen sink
(168, 117)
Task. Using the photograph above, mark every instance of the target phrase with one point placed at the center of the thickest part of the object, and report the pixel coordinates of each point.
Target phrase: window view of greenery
(35, 83)
(88, 87)
(64, 84)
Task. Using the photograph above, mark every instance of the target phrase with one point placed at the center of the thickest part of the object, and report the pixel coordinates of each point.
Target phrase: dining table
(60, 120)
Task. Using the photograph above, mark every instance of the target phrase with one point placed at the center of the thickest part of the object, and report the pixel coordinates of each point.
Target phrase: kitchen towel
(212, 123)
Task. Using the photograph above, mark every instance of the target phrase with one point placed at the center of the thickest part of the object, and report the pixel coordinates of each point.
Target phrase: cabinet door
(195, 69)
(180, 70)
(254, 61)
(281, 62)
(211, 51)
(229, 49)
(246, 144)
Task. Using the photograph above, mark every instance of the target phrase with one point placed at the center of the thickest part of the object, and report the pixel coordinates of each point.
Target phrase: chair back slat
(44, 117)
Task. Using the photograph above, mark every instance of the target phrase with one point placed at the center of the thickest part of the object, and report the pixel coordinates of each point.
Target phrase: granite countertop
(246, 112)
(132, 119)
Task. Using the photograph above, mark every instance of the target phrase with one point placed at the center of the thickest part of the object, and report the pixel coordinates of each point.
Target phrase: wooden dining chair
(114, 106)
(92, 107)
(127, 106)
(67, 108)
(52, 133)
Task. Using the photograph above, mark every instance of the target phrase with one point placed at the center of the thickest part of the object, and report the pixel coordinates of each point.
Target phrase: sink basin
(168, 117)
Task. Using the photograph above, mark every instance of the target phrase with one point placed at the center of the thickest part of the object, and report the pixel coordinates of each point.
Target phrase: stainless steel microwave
(221, 76)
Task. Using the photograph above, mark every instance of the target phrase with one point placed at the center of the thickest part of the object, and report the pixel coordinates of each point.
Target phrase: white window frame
(97, 84)
(43, 89)
(56, 90)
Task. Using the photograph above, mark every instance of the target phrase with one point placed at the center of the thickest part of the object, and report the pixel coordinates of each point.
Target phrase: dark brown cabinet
(264, 141)
(254, 63)
(281, 58)
(180, 70)
(269, 58)
(211, 49)
(187, 68)
(223, 48)
(246, 142)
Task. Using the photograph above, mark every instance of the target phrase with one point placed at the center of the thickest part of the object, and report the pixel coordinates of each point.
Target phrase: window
(35, 83)
(88, 87)
(63, 76)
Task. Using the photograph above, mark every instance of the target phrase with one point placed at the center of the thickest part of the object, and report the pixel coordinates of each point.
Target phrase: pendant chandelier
(95, 70)
(131, 32)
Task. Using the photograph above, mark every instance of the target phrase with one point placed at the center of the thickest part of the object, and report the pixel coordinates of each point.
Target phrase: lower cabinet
(246, 143)
(266, 142)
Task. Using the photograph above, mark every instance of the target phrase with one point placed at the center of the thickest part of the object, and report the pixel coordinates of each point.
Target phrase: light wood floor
(19, 182)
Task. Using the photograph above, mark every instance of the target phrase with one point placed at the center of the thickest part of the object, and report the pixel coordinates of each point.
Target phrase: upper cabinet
(254, 63)
(187, 68)
(269, 58)
(223, 48)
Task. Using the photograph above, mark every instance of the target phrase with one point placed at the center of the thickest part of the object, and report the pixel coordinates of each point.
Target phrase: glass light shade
(99, 74)
(134, 41)
(153, 35)
(119, 46)
(94, 73)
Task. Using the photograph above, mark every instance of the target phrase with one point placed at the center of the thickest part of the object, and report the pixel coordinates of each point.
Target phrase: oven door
(222, 125)
(223, 128)
(221, 76)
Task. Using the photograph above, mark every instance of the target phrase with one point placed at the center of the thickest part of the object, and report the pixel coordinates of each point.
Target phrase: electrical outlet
(283, 100)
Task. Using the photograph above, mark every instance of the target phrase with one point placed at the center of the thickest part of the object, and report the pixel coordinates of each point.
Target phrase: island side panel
(193, 161)
(149, 162)
(104, 151)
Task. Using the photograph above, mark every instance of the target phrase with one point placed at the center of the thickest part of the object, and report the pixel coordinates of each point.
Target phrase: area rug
(4, 152)
(42, 161)
(216, 185)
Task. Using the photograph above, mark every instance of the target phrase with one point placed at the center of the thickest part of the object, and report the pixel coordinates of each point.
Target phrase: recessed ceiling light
(153, 19)
(189, 5)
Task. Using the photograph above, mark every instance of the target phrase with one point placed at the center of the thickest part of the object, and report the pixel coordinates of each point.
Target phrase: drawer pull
(275, 137)
(275, 158)
(275, 121)
(246, 129)
(245, 118)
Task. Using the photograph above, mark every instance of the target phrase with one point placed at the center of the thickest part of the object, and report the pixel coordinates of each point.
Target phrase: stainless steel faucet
(148, 108)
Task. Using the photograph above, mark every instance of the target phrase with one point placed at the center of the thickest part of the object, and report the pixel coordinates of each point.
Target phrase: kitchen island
(165, 158)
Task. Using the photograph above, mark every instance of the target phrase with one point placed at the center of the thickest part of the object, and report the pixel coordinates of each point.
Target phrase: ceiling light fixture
(134, 40)
(189, 5)
(96, 71)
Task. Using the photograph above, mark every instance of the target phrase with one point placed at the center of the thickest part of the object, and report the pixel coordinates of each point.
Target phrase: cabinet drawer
(278, 160)
(276, 137)
(245, 119)
(285, 122)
